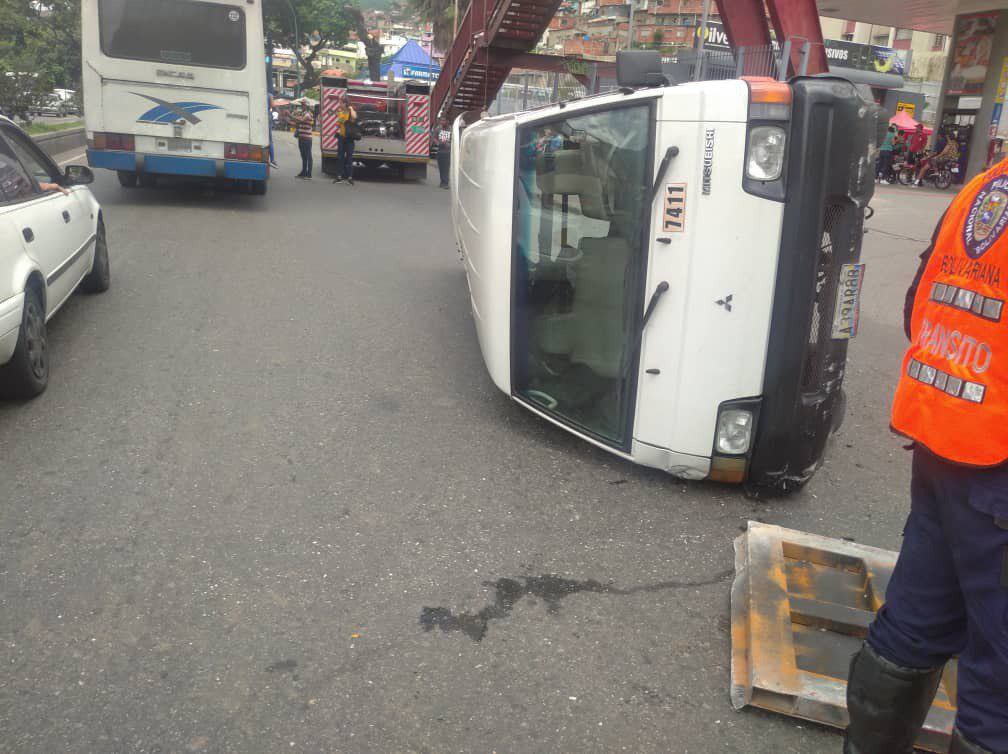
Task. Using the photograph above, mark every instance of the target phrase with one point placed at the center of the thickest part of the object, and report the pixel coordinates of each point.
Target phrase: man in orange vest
(948, 596)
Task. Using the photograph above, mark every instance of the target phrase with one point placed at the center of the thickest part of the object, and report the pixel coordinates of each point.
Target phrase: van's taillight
(244, 152)
(118, 142)
(769, 99)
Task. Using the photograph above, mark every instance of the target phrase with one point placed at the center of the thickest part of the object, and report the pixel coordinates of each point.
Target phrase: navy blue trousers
(344, 158)
(949, 593)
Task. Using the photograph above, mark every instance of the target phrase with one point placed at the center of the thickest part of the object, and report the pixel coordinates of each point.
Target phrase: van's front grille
(835, 248)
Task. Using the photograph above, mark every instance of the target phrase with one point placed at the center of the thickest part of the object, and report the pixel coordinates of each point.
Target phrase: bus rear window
(173, 31)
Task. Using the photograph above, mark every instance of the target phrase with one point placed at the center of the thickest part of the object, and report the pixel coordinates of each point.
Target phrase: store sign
(866, 57)
(910, 108)
(715, 39)
(423, 73)
(973, 44)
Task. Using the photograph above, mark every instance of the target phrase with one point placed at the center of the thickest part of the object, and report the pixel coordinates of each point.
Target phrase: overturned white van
(672, 272)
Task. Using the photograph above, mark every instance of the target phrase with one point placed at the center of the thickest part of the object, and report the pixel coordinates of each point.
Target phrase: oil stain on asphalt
(550, 589)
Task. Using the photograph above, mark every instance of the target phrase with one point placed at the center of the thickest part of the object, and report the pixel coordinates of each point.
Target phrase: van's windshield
(173, 31)
(582, 188)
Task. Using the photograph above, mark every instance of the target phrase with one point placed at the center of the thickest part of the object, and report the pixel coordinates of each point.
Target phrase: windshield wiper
(670, 154)
(660, 291)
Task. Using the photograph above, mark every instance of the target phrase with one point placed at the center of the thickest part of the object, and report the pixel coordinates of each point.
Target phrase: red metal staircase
(498, 35)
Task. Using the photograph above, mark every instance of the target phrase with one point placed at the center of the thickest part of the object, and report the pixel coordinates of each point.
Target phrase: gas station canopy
(936, 16)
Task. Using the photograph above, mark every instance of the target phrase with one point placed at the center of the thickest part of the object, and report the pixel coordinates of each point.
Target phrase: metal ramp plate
(801, 605)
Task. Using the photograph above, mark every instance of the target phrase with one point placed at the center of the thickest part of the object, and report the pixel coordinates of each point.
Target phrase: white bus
(176, 87)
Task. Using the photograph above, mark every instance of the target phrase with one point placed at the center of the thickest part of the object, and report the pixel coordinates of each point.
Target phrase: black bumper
(830, 180)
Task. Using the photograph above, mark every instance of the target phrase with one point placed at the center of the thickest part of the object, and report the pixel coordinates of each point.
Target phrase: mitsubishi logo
(725, 302)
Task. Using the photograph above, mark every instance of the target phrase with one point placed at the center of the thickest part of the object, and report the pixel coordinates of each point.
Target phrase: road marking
(61, 163)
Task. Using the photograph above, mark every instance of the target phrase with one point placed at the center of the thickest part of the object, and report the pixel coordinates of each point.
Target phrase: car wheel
(26, 375)
(100, 277)
(127, 179)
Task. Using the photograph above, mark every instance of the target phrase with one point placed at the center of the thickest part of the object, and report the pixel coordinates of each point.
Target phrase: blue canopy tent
(411, 62)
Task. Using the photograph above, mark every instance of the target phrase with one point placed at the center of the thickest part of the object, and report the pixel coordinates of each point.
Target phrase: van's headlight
(734, 432)
(766, 153)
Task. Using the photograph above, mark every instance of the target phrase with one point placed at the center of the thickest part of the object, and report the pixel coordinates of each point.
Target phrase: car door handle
(66, 216)
(29, 236)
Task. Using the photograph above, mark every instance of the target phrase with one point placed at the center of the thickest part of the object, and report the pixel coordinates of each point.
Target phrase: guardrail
(61, 142)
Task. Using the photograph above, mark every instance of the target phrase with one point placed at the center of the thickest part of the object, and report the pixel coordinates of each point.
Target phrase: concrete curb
(60, 142)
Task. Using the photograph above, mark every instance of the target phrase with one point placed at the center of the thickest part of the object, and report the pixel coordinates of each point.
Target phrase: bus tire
(257, 188)
(328, 166)
(127, 178)
(147, 180)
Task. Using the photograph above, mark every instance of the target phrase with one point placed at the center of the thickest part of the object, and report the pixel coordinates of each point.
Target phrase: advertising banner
(974, 39)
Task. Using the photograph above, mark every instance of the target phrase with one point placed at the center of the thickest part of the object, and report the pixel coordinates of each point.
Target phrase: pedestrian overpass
(495, 36)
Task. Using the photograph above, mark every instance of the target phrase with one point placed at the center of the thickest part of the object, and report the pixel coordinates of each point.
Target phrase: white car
(52, 241)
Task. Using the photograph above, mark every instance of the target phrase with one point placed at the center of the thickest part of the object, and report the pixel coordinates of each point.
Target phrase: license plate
(847, 315)
(180, 145)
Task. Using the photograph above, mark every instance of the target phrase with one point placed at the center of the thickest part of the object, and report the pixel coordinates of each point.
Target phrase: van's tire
(100, 277)
(127, 178)
(329, 166)
(26, 375)
(839, 412)
(147, 180)
(257, 188)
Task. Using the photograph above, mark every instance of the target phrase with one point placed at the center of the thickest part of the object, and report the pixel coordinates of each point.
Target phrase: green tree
(321, 25)
(441, 15)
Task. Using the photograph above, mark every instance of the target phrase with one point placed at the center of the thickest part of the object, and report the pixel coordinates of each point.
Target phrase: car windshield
(173, 31)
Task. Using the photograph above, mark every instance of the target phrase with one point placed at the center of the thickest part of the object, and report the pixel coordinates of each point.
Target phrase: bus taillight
(246, 152)
(117, 142)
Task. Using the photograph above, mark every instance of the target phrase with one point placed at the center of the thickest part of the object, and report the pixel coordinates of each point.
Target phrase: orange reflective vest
(952, 397)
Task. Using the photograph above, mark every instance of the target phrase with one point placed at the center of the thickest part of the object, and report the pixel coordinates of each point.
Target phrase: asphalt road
(273, 444)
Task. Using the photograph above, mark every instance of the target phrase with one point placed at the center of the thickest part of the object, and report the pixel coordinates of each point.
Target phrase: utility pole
(630, 30)
(698, 70)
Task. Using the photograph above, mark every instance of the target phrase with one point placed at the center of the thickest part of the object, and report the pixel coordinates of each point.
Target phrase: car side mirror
(78, 175)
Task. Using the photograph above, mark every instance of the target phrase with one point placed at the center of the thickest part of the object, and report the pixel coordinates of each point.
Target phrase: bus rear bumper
(162, 164)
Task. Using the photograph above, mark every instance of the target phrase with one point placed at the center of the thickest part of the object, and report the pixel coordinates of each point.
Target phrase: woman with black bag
(349, 133)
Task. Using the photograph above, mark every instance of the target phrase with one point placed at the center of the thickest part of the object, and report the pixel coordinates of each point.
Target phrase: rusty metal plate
(801, 605)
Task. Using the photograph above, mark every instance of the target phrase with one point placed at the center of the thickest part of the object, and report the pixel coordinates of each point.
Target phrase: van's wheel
(100, 277)
(127, 178)
(26, 375)
(257, 188)
(329, 166)
(147, 180)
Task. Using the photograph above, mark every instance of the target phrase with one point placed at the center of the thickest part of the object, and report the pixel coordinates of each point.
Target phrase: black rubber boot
(962, 745)
(887, 704)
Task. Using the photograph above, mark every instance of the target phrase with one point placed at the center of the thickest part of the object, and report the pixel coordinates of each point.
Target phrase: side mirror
(636, 68)
(78, 175)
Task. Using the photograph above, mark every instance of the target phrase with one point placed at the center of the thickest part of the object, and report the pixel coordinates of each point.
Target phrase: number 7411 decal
(674, 208)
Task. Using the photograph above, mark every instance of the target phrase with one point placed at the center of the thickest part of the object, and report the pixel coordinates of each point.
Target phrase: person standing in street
(443, 139)
(303, 128)
(346, 124)
(883, 171)
(948, 595)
